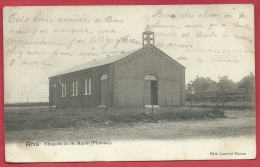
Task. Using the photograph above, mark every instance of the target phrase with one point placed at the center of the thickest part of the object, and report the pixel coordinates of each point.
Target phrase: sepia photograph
(129, 83)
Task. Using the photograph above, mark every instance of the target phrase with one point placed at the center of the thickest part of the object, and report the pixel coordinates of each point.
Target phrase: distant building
(213, 92)
(140, 78)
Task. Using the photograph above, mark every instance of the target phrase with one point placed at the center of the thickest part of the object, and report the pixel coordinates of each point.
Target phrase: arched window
(103, 77)
(150, 77)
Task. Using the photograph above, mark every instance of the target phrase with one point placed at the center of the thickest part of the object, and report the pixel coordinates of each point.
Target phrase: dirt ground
(236, 123)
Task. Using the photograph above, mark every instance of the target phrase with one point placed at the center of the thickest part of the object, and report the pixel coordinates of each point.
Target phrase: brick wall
(125, 81)
(82, 100)
(131, 71)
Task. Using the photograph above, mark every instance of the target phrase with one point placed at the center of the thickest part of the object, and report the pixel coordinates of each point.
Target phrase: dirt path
(216, 128)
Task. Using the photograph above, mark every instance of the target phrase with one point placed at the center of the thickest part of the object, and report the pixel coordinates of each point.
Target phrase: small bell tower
(148, 36)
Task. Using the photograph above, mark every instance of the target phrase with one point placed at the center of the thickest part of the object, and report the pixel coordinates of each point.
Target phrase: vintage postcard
(129, 83)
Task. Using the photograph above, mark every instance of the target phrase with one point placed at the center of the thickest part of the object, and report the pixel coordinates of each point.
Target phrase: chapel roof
(99, 62)
(104, 61)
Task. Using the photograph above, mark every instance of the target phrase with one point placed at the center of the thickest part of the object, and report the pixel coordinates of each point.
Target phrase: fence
(26, 97)
(137, 99)
(222, 102)
(127, 100)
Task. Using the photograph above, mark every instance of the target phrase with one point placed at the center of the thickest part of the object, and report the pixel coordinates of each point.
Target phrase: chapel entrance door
(103, 90)
(154, 92)
(151, 90)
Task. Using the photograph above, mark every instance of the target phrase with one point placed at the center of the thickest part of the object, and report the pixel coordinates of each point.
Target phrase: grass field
(25, 123)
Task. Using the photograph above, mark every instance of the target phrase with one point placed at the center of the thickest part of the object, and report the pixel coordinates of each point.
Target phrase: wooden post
(164, 101)
(106, 98)
(153, 39)
(247, 97)
(125, 101)
(133, 99)
(152, 101)
(105, 111)
(223, 105)
(191, 102)
(106, 105)
(143, 102)
(143, 40)
(82, 89)
(171, 98)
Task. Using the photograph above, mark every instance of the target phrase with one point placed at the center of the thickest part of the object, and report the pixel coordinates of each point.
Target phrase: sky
(39, 42)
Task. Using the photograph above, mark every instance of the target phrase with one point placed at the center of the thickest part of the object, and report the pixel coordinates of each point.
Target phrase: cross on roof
(147, 20)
